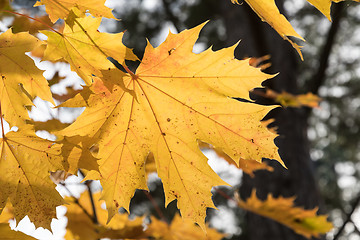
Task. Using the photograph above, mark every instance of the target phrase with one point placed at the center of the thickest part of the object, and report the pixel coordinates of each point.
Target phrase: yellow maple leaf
(61, 8)
(21, 80)
(282, 210)
(25, 24)
(289, 100)
(248, 166)
(8, 234)
(268, 11)
(81, 224)
(180, 98)
(76, 154)
(25, 163)
(7, 213)
(86, 49)
(324, 6)
(180, 229)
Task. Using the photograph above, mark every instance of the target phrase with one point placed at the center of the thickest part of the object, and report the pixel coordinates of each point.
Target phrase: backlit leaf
(181, 97)
(81, 224)
(61, 8)
(86, 49)
(268, 11)
(282, 210)
(180, 229)
(8, 234)
(21, 80)
(25, 163)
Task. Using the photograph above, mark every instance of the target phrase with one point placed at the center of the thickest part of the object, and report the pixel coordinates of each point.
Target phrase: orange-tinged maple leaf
(180, 229)
(21, 80)
(181, 97)
(86, 49)
(25, 163)
(61, 8)
(282, 210)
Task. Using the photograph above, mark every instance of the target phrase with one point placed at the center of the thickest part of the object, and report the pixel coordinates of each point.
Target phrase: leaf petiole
(2, 123)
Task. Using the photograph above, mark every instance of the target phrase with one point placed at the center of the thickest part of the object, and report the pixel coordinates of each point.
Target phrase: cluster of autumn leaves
(175, 103)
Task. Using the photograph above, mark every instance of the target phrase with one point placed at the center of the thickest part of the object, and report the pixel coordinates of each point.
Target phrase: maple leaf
(248, 166)
(324, 6)
(181, 97)
(268, 11)
(86, 49)
(180, 230)
(289, 100)
(25, 24)
(81, 226)
(8, 234)
(75, 151)
(282, 210)
(25, 163)
(49, 125)
(21, 80)
(61, 8)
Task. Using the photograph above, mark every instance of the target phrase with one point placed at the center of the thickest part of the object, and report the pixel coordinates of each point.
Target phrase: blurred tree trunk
(298, 180)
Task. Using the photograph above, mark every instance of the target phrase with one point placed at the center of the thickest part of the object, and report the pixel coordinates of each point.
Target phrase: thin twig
(222, 193)
(35, 19)
(157, 209)
(87, 183)
(319, 78)
(2, 123)
(76, 201)
(348, 217)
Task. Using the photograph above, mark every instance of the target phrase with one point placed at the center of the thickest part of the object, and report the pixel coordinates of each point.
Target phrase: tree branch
(319, 78)
(87, 183)
(348, 217)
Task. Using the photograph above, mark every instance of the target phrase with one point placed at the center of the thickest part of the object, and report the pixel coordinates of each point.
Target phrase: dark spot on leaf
(168, 119)
(171, 51)
(164, 134)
